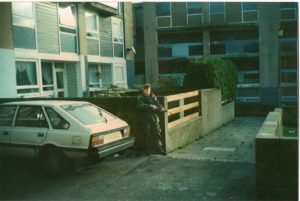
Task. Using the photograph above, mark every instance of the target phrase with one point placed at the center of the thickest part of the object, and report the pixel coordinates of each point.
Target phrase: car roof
(44, 102)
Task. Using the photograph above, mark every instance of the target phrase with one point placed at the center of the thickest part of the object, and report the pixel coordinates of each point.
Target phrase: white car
(56, 131)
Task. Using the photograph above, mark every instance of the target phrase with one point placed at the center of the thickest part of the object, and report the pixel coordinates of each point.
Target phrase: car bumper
(114, 147)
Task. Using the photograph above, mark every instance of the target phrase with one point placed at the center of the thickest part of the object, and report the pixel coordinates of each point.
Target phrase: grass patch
(290, 131)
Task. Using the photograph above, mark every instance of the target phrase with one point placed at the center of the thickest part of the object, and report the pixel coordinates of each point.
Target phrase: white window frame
(249, 11)
(18, 20)
(111, 74)
(114, 19)
(165, 16)
(224, 12)
(122, 83)
(95, 34)
(65, 89)
(97, 23)
(290, 9)
(66, 33)
(38, 79)
(50, 92)
(93, 88)
(194, 14)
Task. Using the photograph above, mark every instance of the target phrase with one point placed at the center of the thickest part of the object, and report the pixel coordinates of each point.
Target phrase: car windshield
(88, 113)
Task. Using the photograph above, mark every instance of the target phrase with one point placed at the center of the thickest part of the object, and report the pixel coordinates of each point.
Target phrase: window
(194, 8)
(217, 13)
(288, 11)
(163, 9)
(94, 76)
(216, 8)
(68, 28)
(92, 29)
(87, 113)
(31, 116)
(289, 76)
(194, 11)
(249, 6)
(56, 120)
(67, 15)
(250, 12)
(91, 22)
(7, 115)
(47, 77)
(24, 25)
(119, 75)
(26, 75)
(117, 32)
(163, 13)
(24, 9)
(106, 72)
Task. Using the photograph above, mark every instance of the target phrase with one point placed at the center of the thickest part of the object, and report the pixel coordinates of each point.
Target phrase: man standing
(149, 108)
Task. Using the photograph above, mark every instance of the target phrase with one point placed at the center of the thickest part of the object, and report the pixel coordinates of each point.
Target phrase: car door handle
(41, 134)
(5, 133)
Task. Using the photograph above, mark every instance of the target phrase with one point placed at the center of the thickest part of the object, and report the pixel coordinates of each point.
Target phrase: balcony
(288, 45)
(180, 50)
(104, 8)
(234, 48)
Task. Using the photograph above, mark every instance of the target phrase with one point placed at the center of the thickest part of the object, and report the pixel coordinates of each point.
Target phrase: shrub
(212, 73)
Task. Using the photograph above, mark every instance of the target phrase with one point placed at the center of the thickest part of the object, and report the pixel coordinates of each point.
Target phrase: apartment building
(64, 49)
(259, 37)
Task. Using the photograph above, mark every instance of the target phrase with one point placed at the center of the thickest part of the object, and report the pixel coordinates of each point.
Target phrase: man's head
(147, 89)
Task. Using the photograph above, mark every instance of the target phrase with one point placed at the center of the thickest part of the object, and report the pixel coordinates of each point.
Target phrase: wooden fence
(183, 105)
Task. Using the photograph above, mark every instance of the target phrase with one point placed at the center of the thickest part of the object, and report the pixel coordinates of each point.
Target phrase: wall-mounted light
(280, 32)
(131, 49)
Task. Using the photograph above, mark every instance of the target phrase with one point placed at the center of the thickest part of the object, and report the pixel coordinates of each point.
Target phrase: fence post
(181, 103)
(164, 124)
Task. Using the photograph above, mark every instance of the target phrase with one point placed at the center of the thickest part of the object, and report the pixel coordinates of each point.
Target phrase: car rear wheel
(53, 161)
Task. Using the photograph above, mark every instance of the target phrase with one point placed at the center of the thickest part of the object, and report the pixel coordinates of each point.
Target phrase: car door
(29, 131)
(7, 113)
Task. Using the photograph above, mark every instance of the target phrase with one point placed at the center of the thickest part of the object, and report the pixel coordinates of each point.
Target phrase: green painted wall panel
(47, 27)
(106, 49)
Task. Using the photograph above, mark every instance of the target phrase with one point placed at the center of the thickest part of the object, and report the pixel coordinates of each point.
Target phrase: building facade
(64, 49)
(260, 38)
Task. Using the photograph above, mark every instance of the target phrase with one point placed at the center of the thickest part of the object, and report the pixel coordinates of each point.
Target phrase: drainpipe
(82, 41)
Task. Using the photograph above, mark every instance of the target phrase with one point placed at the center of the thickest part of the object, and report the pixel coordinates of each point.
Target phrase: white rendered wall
(8, 83)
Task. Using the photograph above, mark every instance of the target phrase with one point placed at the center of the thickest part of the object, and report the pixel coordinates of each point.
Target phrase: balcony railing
(180, 50)
(234, 47)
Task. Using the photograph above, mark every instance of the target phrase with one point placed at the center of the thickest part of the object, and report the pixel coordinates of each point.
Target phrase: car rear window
(88, 113)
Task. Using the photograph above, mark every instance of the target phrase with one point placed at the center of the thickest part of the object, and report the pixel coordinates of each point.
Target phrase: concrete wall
(214, 115)
(228, 112)
(269, 24)
(276, 161)
(150, 41)
(7, 54)
(128, 30)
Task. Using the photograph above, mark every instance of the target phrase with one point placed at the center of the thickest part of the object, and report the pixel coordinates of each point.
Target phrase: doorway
(60, 84)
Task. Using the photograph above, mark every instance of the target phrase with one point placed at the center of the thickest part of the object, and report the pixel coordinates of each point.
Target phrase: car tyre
(53, 161)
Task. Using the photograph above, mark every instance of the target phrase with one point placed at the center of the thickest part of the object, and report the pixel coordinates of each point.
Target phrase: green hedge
(212, 73)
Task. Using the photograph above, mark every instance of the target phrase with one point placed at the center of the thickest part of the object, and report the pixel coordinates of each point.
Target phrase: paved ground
(138, 178)
(234, 142)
